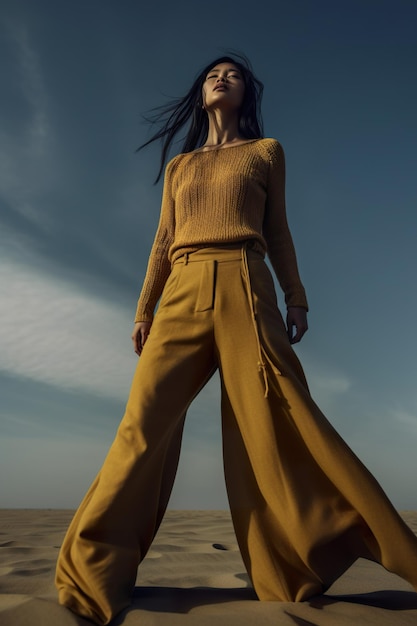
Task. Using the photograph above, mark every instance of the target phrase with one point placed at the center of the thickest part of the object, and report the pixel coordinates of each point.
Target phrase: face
(223, 87)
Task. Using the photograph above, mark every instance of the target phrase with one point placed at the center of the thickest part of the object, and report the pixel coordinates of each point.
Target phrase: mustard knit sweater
(222, 196)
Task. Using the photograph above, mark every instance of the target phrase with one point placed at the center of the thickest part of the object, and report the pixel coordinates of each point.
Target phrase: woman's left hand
(296, 318)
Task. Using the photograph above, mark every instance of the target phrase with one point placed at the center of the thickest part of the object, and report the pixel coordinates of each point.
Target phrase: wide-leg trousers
(304, 508)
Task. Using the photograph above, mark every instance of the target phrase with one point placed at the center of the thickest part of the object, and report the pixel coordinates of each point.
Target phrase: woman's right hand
(139, 335)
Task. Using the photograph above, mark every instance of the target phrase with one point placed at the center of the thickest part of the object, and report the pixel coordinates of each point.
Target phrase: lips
(221, 86)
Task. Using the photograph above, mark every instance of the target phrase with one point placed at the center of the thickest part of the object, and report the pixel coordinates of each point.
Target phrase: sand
(193, 576)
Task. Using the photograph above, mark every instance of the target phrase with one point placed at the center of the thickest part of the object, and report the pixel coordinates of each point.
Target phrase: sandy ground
(193, 576)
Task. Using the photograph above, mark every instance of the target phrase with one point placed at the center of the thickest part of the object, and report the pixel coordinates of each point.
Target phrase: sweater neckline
(218, 148)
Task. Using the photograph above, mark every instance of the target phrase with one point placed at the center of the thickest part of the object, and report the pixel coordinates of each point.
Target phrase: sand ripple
(192, 576)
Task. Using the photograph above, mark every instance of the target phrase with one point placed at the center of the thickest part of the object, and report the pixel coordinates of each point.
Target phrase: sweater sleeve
(277, 234)
(159, 266)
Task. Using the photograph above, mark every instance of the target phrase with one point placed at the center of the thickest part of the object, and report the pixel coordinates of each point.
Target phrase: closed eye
(231, 74)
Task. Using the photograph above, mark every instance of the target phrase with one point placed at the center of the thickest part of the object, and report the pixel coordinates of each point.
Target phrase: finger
(298, 335)
(136, 343)
(143, 337)
(292, 329)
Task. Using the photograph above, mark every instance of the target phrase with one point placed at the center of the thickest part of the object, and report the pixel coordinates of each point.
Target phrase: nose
(221, 78)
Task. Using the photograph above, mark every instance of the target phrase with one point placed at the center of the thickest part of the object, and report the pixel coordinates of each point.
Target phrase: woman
(303, 506)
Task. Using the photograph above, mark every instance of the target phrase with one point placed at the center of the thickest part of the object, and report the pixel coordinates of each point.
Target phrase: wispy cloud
(85, 213)
(325, 379)
(32, 83)
(405, 419)
(53, 333)
(26, 143)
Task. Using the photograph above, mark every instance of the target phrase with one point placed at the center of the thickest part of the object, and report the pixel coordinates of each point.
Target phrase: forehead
(224, 66)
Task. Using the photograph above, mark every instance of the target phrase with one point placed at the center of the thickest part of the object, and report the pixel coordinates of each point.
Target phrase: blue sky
(78, 212)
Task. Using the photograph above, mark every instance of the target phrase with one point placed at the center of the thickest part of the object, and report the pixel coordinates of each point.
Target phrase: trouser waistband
(219, 253)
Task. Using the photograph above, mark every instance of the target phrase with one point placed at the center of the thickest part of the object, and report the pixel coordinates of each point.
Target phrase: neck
(223, 128)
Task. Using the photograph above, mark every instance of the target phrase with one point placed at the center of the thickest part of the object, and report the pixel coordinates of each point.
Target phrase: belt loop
(186, 258)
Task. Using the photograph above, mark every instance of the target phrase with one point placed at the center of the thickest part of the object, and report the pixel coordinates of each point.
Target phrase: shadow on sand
(182, 601)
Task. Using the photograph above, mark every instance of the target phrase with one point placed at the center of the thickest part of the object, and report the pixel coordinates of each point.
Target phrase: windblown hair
(188, 110)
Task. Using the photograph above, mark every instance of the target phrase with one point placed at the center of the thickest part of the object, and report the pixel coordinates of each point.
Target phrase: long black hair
(173, 116)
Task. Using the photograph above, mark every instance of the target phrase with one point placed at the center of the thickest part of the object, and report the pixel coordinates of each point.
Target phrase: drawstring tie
(261, 362)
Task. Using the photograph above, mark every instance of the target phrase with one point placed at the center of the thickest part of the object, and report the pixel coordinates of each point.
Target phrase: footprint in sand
(223, 546)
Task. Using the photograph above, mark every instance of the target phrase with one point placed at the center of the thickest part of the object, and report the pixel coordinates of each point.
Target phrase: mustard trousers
(304, 508)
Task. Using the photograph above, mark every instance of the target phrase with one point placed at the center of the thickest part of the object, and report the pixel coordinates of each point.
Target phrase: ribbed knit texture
(223, 196)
